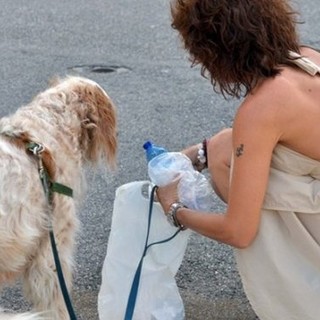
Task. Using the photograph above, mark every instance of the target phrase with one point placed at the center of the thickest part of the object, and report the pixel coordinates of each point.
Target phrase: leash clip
(37, 149)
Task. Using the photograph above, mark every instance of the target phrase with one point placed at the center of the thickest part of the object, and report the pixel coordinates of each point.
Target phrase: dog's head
(97, 115)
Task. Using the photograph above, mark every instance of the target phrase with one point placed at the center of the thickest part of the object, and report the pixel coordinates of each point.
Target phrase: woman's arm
(255, 134)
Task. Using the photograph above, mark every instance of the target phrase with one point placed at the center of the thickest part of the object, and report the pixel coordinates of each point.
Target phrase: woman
(267, 167)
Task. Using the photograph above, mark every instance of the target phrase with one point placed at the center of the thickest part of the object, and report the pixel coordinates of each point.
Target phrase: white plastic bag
(158, 295)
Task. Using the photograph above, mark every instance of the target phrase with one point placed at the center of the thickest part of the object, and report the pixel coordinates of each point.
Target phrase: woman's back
(293, 97)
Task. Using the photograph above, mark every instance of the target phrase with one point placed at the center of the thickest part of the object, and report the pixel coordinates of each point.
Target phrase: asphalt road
(158, 96)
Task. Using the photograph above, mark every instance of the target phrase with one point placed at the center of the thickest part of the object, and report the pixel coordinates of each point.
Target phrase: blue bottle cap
(147, 145)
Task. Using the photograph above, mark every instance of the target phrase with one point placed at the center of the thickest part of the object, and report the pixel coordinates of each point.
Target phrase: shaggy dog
(75, 121)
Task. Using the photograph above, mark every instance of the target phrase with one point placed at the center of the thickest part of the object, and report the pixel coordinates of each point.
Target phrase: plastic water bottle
(194, 189)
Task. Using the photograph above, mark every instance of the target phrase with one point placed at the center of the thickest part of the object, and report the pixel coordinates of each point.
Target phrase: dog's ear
(99, 123)
(107, 126)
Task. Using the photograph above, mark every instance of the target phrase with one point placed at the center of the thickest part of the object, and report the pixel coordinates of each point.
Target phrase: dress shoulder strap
(304, 63)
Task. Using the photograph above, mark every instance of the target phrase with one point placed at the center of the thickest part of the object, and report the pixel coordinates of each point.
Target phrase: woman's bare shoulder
(312, 53)
(270, 96)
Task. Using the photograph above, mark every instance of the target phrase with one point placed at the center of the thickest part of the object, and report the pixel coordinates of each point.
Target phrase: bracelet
(172, 215)
(202, 153)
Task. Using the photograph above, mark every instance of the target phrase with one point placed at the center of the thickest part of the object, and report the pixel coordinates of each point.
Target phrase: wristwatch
(172, 215)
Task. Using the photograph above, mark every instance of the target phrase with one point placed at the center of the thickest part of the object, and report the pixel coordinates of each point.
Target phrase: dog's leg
(42, 287)
(41, 281)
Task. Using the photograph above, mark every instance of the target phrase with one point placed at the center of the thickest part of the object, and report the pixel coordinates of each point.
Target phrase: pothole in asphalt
(99, 68)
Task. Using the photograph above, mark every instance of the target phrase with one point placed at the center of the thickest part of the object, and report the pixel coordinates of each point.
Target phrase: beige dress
(280, 271)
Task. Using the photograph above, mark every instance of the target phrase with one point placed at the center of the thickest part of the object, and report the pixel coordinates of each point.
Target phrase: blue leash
(135, 284)
(49, 187)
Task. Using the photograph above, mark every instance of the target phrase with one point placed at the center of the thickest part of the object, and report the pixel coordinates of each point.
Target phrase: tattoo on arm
(240, 150)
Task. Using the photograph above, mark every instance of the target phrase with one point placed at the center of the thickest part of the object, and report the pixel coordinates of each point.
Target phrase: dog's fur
(75, 121)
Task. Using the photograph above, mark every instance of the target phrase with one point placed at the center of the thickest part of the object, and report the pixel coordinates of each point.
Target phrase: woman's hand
(168, 194)
(192, 153)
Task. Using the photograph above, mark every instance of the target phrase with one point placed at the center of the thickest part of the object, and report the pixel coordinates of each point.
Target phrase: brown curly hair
(236, 42)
